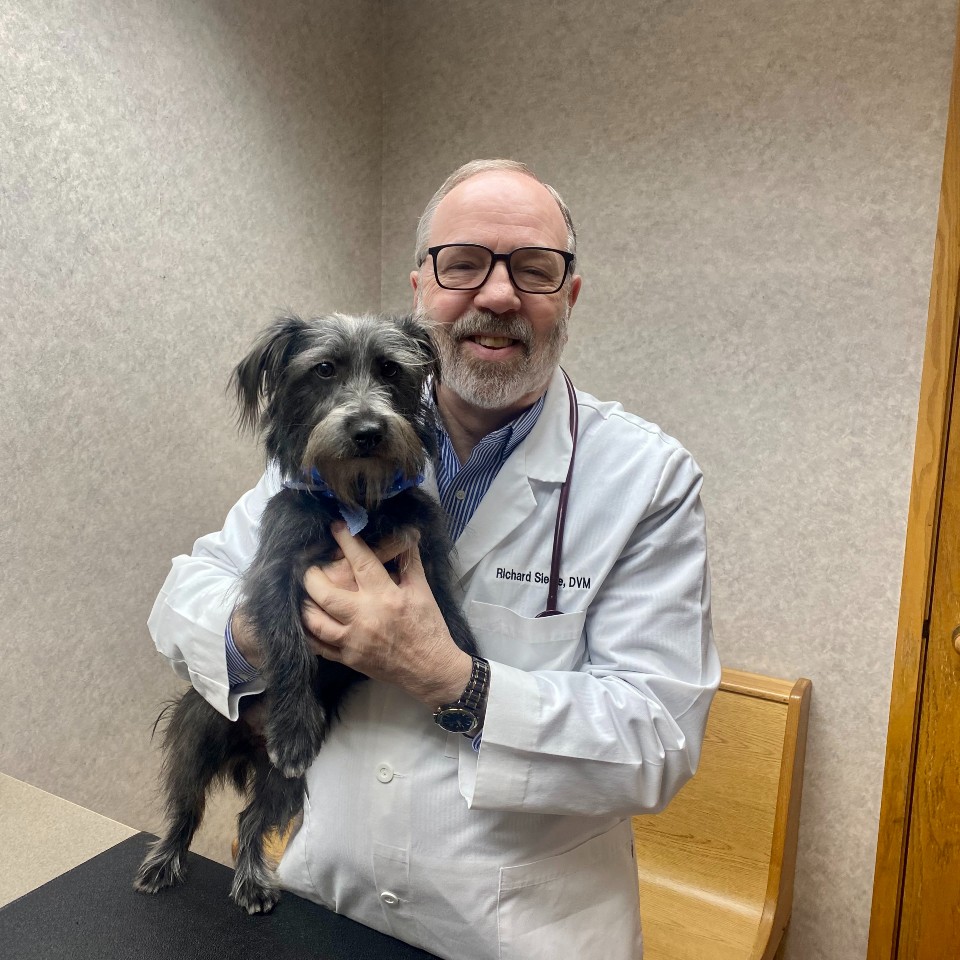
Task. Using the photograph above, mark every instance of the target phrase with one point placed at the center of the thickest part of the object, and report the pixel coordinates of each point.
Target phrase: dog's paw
(159, 871)
(289, 766)
(292, 754)
(253, 896)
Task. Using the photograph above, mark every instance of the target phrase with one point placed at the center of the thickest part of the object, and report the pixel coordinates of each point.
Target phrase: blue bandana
(355, 517)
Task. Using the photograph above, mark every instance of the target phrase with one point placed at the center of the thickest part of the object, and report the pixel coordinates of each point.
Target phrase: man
(514, 842)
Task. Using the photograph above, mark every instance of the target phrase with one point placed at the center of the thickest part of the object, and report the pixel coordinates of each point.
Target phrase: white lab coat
(524, 850)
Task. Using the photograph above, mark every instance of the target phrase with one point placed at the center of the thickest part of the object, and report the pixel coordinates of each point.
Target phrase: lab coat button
(384, 773)
(390, 899)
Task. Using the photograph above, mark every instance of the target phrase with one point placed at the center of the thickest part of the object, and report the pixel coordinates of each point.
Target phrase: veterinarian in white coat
(521, 850)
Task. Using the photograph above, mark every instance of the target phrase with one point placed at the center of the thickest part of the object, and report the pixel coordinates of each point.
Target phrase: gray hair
(472, 169)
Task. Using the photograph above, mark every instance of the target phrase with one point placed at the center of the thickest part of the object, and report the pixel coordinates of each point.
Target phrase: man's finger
(329, 652)
(340, 574)
(367, 569)
(332, 600)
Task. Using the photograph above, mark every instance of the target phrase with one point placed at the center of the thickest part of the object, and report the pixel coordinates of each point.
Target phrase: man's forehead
(500, 200)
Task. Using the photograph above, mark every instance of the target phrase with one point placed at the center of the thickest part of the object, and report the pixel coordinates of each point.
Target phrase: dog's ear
(418, 335)
(257, 376)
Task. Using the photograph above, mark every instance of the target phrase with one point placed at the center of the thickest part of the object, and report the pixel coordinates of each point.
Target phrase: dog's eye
(389, 369)
(325, 370)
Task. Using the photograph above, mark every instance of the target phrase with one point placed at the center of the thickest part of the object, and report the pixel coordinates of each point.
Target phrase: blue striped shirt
(238, 670)
(461, 488)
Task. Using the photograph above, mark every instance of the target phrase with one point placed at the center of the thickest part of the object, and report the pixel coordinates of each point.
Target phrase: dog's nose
(367, 436)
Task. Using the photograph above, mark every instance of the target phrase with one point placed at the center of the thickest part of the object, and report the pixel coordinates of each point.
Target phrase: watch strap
(475, 693)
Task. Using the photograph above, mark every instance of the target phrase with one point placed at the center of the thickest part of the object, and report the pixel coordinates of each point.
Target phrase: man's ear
(415, 283)
(575, 285)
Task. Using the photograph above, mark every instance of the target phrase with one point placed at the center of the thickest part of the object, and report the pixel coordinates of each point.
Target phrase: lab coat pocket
(528, 643)
(583, 903)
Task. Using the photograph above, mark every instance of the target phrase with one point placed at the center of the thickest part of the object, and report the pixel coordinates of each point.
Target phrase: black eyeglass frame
(568, 259)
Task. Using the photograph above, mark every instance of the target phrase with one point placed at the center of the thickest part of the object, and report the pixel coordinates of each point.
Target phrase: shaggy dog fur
(339, 398)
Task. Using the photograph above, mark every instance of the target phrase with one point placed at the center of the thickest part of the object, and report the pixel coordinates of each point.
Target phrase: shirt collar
(508, 437)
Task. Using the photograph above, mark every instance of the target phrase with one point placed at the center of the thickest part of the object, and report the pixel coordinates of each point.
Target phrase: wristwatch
(466, 714)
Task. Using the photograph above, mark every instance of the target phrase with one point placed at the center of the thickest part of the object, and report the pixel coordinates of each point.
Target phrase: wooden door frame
(936, 395)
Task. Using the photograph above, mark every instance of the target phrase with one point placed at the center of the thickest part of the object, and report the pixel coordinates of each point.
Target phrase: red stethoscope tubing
(554, 584)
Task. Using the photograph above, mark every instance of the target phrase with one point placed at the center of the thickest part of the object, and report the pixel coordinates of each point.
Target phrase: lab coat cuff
(497, 776)
(200, 655)
(257, 685)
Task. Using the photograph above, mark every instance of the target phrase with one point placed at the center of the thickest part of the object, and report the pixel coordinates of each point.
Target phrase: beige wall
(755, 185)
(171, 174)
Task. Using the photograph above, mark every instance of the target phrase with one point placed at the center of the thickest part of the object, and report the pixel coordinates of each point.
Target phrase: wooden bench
(716, 867)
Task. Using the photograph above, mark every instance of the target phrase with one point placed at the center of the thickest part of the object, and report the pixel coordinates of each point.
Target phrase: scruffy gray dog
(339, 402)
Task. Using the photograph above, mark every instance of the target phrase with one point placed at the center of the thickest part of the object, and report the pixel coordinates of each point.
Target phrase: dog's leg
(436, 568)
(276, 799)
(196, 750)
(297, 724)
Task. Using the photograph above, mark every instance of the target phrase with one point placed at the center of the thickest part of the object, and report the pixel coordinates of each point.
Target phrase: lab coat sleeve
(190, 615)
(622, 734)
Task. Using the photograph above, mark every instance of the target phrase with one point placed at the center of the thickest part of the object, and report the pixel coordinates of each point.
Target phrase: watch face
(456, 720)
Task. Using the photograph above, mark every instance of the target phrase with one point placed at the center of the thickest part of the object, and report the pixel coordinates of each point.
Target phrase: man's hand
(390, 631)
(340, 574)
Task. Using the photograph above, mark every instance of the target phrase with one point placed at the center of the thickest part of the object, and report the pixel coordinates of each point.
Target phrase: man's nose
(498, 294)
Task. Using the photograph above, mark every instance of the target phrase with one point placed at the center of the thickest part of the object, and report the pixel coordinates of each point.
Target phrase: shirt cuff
(238, 670)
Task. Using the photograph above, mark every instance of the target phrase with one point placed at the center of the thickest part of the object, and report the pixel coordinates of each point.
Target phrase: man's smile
(492, 349)
(494, 343)
(488, 337)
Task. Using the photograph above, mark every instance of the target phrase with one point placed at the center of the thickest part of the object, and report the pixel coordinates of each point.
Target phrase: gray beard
(493, 386)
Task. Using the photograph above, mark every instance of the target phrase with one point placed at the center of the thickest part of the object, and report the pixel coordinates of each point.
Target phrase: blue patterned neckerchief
(355, 517)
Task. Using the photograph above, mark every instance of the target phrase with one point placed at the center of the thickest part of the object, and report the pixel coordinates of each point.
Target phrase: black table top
(93, 913)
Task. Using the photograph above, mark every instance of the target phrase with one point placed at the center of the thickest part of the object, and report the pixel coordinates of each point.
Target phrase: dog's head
(343, 395)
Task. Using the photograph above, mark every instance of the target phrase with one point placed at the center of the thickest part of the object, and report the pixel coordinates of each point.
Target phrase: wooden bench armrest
(716, 868)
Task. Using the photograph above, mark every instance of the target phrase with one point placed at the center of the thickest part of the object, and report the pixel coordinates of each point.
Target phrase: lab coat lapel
(543, 455)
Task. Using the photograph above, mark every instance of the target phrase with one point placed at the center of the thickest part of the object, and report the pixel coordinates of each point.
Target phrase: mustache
(483, 323)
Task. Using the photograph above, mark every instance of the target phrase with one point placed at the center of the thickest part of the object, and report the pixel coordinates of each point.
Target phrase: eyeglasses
(467, 266)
